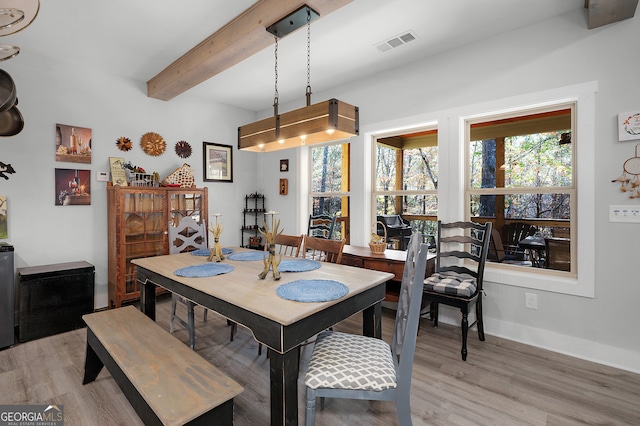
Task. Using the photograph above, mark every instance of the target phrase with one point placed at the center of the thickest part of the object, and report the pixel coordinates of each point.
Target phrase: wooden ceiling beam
(241, 38)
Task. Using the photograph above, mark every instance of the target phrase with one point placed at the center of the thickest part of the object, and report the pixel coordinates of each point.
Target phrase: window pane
(385, 168)
(420, 168)
(536, 160)
(421, 204)
(522, 206)
(326, 173)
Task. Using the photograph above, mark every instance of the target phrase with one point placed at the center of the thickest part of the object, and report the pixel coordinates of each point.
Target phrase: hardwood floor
(501, 383)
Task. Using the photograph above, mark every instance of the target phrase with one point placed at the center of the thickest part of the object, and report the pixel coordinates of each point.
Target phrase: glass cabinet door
(144, 234)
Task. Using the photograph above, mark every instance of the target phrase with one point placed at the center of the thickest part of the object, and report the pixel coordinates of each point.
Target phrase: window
(520, 177)
(329, 186)
(406, 182)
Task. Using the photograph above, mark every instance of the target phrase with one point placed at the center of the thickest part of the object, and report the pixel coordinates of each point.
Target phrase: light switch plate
(102, 176)
(626, 214)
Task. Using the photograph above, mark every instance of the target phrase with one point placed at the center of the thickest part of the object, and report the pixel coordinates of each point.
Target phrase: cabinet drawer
(395, 268)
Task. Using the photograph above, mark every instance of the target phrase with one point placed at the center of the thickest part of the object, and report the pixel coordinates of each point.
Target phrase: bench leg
(92, 363)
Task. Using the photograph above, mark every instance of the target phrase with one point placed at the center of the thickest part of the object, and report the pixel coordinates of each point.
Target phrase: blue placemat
(247, 255)
(300, 265)
(205, 252)
(204, 270)
(312, 290)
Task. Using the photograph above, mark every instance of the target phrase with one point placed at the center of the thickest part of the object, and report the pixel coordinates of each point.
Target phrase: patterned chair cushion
(349, 361)
(451, 283)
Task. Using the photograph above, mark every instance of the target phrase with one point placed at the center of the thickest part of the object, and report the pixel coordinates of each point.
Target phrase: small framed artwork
(218, 162)
(284, 165)
(73, 187)
(73, 144)
(629, 126)
(284, 186)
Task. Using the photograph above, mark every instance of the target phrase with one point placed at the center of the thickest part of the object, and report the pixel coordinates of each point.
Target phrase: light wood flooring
(501, 383)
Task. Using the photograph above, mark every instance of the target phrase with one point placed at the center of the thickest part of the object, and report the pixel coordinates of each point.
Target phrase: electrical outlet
(531, 301)
(627, 214)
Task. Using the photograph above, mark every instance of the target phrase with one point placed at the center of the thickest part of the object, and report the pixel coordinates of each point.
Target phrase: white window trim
(584, 283)
(451, 184)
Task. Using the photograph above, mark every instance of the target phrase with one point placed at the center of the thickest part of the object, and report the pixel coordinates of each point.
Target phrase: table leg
(148, 298)
(372, 321)
(284, 387)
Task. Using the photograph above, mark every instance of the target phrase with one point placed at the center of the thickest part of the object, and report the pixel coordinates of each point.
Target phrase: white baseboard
(556, 342)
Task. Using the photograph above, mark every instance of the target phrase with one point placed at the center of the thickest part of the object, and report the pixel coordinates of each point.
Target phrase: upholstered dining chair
(358, 367)
(323, 250)
(461, 253)
(185, 236)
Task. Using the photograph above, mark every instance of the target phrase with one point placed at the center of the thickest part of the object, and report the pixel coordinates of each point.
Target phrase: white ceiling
(138, 38)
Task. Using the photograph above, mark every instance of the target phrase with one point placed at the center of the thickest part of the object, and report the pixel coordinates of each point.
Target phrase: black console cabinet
(53, 298)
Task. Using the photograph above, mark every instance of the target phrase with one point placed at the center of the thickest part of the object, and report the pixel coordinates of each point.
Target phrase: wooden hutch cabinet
(138, 220)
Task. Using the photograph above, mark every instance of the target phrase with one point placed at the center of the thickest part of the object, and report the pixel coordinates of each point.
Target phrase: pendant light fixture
(322, 122)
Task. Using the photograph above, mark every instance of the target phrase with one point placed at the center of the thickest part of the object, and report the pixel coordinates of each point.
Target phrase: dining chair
(350, 366)
(286, 245)
(185, 236)
(321, 226)
(322, 249)
(558, 254)
(461, 253)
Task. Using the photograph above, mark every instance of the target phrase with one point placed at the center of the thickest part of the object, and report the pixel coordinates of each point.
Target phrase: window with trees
(520, 176)
(406, 180)
(329, 186)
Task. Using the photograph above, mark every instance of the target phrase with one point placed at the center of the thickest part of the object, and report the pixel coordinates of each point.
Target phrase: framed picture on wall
(73, 187)
(217, 162)
(73, 144)
(629, 126)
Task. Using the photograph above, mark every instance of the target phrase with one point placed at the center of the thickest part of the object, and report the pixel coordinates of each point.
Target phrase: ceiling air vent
(396, 41)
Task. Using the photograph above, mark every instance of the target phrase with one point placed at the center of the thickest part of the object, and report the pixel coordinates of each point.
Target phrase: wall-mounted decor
(153, 144)
(5, 170)
(630, 178)
(118, 171)
(217, 162)
(4, 232)
(124, 144)
(629, 125)
(284, 186)
(73, 144)
(284, 165)
(73, 187)
(183, 149)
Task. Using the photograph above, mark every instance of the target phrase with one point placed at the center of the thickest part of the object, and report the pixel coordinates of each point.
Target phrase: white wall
(557, 53)
(50, 93)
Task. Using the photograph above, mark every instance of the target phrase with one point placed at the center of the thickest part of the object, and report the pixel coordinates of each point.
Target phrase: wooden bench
(165, 381)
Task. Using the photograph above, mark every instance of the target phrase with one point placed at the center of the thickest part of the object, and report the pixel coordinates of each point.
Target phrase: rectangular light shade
(322, 122)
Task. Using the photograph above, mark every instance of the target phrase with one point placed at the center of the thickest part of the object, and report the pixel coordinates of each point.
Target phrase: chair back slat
(462, 247)
(408, 313)
(287, 245)
(323, 250)
(187, 235)
(321, 226)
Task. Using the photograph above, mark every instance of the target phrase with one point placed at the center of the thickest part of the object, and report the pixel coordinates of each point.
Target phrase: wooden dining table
(279, 324)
